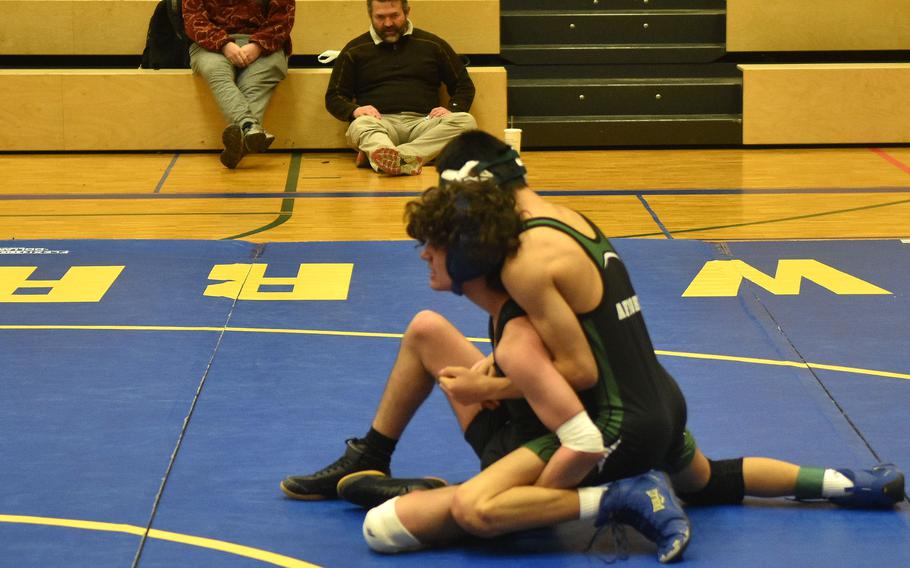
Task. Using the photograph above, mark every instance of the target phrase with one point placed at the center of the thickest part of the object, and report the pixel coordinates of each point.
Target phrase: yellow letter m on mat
(722, 278)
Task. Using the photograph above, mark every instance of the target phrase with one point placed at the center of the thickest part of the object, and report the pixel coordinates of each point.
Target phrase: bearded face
(389, 20)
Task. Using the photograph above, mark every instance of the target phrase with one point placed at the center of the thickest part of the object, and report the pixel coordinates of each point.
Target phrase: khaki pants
(412, 134)
(241, 94)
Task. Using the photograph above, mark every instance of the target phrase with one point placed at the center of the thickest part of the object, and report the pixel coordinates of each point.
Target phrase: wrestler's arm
(530, 279)
(527, 363)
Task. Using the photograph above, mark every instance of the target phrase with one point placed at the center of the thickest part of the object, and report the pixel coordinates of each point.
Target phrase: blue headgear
(460, 263)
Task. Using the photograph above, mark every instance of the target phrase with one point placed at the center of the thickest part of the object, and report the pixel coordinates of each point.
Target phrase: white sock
(589, 501)
(835, 484)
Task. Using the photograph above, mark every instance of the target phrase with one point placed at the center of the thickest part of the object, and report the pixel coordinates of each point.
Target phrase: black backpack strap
(175, 15)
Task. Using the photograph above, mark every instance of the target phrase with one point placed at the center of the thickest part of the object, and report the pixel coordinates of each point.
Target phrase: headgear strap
(474, 170)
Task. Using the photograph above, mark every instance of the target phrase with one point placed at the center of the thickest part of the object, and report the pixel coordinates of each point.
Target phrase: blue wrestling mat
(154, 393)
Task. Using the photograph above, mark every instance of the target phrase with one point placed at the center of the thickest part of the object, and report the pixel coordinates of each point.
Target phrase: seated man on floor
(386, 82)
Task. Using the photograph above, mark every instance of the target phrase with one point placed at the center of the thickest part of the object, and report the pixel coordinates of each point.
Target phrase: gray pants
(412, 134)
(241, 94)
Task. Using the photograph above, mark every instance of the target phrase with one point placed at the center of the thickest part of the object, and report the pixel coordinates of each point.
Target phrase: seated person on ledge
(241, 49)
(386, 83)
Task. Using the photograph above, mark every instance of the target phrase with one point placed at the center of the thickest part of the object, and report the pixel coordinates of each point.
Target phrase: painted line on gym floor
(708, 356)
(167, 172)
(191, 540)
(779, 363)
(891, 159)
(213, 329)
(779, 220)
(287, 204)
(411, 194)
(654, 216)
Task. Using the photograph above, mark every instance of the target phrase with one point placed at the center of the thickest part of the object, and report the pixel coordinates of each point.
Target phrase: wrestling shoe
(879, 487)
(232, 138)
(373, 488)
(323, 483)
(647, 504)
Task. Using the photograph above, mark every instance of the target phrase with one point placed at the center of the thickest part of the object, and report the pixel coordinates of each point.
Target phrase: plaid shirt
(210, 23)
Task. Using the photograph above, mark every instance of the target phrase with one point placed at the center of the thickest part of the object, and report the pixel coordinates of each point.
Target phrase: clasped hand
(470, 386)
(241, 56)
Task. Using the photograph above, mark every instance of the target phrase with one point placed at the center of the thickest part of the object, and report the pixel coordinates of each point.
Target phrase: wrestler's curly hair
(472, 212)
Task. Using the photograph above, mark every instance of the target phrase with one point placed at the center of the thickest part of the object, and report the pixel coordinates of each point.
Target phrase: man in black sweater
(386, 83)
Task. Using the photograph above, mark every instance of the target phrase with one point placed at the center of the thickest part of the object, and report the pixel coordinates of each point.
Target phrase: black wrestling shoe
(322, 484)
(373, 488)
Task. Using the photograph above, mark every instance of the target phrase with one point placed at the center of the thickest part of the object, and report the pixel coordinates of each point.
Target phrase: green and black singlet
(636, 403)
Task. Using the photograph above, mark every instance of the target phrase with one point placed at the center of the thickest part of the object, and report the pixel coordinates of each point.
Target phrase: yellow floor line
(708, 356)
(210, 543)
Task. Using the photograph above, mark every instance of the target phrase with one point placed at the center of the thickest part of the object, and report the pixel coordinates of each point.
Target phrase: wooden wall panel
(470, 26)
(32, 111)
(826, 103)
(102, 27)
(32, 27)
(137, 109)
(817, 25)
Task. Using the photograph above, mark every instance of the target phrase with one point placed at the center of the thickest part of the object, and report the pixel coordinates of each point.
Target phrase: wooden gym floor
(731, 194)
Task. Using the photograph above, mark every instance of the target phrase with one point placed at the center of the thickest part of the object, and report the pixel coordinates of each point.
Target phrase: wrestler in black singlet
(636, 403)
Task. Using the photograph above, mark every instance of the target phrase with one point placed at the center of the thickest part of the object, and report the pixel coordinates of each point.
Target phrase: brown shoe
(232, 138)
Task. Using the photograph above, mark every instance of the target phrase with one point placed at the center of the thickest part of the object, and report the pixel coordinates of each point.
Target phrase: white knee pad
(580, 434)
(384, 532)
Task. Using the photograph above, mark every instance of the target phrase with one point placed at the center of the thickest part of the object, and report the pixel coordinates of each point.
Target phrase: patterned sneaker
(879, 487)
(388, 160)
(323, 483)
(232, 138)
(411, 165)
(373, 488)
(647, 504)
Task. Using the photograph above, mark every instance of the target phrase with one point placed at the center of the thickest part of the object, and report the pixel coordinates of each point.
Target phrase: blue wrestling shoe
(879, 487)
(647, 504)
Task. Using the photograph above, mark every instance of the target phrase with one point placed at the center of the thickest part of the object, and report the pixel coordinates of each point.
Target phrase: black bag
(175, 13)
(166, 46)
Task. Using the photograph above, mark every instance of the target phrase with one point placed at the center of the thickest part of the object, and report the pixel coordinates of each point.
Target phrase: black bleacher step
(624, 72)
(611, 4)
(622, 27)
(621, 131)
(625, 96)
(593, 54)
